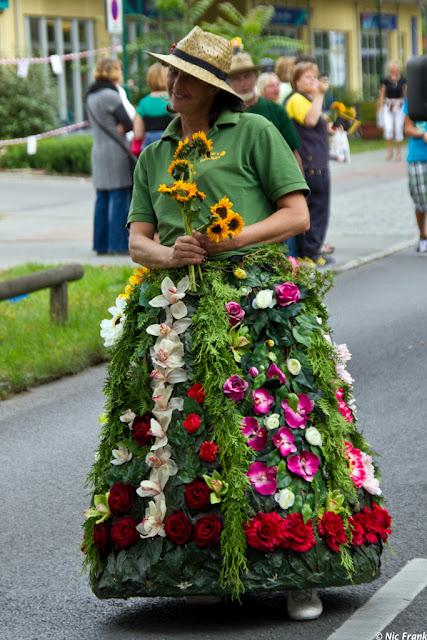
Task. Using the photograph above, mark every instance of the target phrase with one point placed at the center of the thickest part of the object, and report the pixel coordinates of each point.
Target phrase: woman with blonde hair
(283, 69)
(390, 103)
(112, 166)
(152, 116)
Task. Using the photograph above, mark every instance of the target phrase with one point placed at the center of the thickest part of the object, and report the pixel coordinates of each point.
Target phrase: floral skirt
(229, 458)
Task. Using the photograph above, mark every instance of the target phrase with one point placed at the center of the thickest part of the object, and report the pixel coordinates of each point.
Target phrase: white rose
(272, 422)
(285, 498)
(294, 366)
(313, 436)
(264, 299)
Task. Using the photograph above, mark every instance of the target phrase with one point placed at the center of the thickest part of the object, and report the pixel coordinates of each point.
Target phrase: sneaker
(304, 604)
(422, 245)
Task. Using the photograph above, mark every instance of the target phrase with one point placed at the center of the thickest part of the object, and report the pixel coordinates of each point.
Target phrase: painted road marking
(385, 604)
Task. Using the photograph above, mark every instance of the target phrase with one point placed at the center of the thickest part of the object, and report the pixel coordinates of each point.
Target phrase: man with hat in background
(243, 78)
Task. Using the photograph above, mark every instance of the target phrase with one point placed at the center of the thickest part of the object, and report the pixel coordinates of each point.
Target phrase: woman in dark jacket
(112, 167)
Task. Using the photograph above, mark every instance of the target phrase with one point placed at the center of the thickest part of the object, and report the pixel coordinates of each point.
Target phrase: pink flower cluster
(343, 407)
(235, 313)
(362, 470)
(255, 434)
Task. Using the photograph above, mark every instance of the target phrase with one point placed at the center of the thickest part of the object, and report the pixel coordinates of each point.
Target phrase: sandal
(327, 249)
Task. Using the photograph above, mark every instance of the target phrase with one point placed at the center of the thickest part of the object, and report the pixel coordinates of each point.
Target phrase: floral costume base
(229, 460)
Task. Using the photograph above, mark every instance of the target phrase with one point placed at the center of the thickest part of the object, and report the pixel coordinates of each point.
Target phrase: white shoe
(422, 245)
(202, 600)
(304, 604)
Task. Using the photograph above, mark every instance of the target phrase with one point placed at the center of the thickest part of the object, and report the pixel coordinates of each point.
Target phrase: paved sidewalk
(48, 219)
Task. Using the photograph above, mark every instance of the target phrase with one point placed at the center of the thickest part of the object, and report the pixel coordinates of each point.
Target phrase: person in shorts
(417, 173)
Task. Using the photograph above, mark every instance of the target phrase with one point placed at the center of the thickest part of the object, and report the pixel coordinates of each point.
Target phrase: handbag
(131, 158)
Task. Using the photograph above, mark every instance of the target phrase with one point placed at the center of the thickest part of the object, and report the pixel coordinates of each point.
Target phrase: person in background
(304, 106)
(243, 78)
(112, 171)
(417, 173)
(152, 115)
(283, 69)
(390, 102)
(268, 86)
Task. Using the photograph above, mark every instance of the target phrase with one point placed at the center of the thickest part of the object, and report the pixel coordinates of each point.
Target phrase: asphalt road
(47, 441)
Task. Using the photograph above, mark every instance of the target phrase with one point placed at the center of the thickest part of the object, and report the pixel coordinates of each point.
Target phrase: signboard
(290, 17)
(371, 20)
(114, 16)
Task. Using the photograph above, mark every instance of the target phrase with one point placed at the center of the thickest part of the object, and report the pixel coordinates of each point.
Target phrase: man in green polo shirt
(243, 78)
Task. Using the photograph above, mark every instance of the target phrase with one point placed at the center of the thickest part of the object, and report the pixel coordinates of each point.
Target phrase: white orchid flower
(169, 326)
(128, 417)
(121, 455)
(343, 374)
(154, 485)
(168, 376)
(172, 296)
(159, 433)
(162, 458)
(152, 523)
(168, 354)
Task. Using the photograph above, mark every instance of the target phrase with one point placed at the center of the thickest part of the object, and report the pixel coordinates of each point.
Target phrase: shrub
(27, 105)
(367, 111)
(67, 154)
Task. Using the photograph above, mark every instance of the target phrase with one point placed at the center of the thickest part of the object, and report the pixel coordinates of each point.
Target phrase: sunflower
(221, 208)
(217, 231)
(164, 188)
(183, 147)
(235, 223)
(184, 191)
(138, 275)
(179, 168)
(202, 143)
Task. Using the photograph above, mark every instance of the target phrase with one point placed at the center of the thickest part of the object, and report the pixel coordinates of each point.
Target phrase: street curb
(359, 262)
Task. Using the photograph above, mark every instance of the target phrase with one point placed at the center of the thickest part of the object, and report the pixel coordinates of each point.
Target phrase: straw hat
(203, 55)
(242, 62)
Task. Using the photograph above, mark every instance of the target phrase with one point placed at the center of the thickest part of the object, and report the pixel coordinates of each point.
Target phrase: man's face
(244, 83)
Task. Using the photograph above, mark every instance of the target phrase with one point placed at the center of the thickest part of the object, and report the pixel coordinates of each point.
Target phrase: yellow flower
(203, 143)
(236, 42)
(221, 208)
(180, 147)
(180, 164)
(235, 223)
(240, 273)
(128, 290)
(269, 343)
(183, 191)
(217, 231)
(164, 188)
(201, 195)
(351, 112)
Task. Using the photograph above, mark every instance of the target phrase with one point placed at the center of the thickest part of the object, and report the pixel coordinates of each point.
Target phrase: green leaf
(306, 512)
(259, 380)
(293, 401)
(301, 337)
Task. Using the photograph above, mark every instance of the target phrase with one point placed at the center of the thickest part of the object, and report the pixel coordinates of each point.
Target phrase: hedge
(65, 155)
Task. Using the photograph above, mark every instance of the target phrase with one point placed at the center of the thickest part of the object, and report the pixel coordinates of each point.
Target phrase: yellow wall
(12, 20)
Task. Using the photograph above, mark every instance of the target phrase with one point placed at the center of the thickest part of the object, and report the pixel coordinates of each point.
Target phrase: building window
(294, 33)
(330, 50)
(374, 56)
(48, 36)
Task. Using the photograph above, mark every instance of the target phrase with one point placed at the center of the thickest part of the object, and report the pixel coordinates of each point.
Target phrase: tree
(250, 29)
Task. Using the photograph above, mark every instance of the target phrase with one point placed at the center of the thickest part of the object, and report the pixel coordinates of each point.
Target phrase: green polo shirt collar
(173, 130)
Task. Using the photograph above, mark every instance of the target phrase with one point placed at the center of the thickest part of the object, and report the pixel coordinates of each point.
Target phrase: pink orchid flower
(235, 388)
(298, 419)
(274, 371)
(263, 478)
(262, 401)
(304, 464)
(257, 435)
(284, 440)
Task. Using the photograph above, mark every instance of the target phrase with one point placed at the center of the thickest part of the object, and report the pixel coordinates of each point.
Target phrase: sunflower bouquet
(223, 222)
(344, 116)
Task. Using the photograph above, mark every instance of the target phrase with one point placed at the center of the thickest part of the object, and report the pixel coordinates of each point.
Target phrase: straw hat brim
(193, 70)
(254, 67)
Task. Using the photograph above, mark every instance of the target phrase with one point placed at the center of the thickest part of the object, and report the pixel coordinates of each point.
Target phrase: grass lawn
(33, 350)
(358, 145)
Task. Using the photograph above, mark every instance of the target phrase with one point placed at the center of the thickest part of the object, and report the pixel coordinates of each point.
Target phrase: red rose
(178, 528)
(208, 451)
(192, 422)
(376, 523)
(197, 494)
(101, 538)
(121, 498)
(141, 428)
(331, 528)
(124, 533)
(357, 530)
(296, 535)
(207, 531)
(197, 393)
(264, 532)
